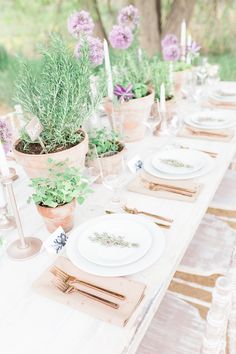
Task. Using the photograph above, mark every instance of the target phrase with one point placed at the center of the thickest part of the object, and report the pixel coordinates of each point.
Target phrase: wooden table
(32, 324)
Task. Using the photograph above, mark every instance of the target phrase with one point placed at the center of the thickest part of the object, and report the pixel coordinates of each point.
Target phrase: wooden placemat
(138, 186)
(186, 133)
(132, 290)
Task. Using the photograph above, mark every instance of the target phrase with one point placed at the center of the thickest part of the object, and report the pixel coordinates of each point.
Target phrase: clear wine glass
(115, 179)
(153, 121)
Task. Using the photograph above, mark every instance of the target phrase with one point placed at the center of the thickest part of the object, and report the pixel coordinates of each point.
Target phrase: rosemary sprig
(210, 119)
(110, 240)
(175, 163)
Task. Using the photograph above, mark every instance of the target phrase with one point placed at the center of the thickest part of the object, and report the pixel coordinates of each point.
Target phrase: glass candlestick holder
(24, 247)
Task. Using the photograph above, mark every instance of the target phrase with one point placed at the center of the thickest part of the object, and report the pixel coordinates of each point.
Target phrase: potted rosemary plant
(131, 76)
(59, 95)
(109, 151)
(55, 196)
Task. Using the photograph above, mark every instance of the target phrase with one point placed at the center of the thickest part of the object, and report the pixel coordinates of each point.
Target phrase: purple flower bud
(5, 135)
(95, 50)
(193, 49)
(169, 39)
(120, 37)
(128, 16)
(80, 22)
(171, 53)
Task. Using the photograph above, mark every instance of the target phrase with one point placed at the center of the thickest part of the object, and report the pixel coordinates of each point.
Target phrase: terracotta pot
(109, 164)
(179, 80)
(134, 114)
(37, 166)
(60, 216)
(170, 108)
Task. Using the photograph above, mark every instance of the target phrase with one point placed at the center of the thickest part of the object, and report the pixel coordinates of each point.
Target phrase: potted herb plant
(59, 95)
(131, 76)
(171, 53)
(109, 151)
(55, 196)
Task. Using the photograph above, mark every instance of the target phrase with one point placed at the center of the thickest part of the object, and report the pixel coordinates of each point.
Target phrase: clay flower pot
(179, 78)
(110, 164)
(60, 216)
(37, 166)
(134, 114)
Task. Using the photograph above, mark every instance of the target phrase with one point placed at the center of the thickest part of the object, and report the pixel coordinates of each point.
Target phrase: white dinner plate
(208, 166)
(228, 120)
(229, 99)
(133, 232)
(226, 91)
(170, 161)
(152, 255)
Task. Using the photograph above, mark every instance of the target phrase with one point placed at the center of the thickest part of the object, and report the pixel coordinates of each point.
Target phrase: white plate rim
(151, 257)
(210, 163)
(188, 121)
(188, 151)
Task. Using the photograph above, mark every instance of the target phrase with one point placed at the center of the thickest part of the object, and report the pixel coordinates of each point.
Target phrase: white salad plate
(137, 237)
(207, 167)
(152, 254)
(178, 161)
(211, 120)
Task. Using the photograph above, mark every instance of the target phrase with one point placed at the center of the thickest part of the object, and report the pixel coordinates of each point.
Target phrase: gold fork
(136, 211)
(69, 289)
(164, 226)
(71, 280)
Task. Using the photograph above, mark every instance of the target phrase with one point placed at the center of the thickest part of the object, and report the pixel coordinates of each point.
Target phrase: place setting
(223, 97)
(101, 252)
(208, 124)
(169, 173)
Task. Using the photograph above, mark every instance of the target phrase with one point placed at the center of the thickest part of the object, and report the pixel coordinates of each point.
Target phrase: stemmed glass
(164, 129)
(93, 173)
(153, 120)
(115, 178)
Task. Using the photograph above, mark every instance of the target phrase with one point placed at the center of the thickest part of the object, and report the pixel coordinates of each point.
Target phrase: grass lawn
(227, 64)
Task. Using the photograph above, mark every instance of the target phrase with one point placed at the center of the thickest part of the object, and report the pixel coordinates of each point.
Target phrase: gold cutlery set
(164, 222)
(69, 284)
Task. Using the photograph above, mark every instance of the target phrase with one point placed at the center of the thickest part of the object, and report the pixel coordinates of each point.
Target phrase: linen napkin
(211, 103)
(141, 184)
(188, 132)
(132, 290)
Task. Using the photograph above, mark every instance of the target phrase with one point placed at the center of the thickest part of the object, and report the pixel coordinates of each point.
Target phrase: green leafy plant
(160, 74)
(61, 186)
(106, 141)
(131, 68)
(59, 94)
(180, 66)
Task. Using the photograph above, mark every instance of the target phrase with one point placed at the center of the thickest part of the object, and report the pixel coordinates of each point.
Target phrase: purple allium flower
(5, 135)
(193, 49)
(123, 93)
(128, 16)
(95, 50)
(120, 37)
(171, 53)
(80, 22)
(169, 39)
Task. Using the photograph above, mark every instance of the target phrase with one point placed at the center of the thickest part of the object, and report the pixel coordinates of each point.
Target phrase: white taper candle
(108, 70)
(162, 98)
(3, 162)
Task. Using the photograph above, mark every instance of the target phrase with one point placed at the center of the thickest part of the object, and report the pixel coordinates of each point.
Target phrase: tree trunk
(180, 10)
(149, 27)
(99, 30)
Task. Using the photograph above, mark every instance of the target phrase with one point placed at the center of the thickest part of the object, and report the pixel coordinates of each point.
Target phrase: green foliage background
(26, 23)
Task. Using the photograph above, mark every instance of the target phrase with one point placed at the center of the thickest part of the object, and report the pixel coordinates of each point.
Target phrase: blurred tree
(180, 9)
